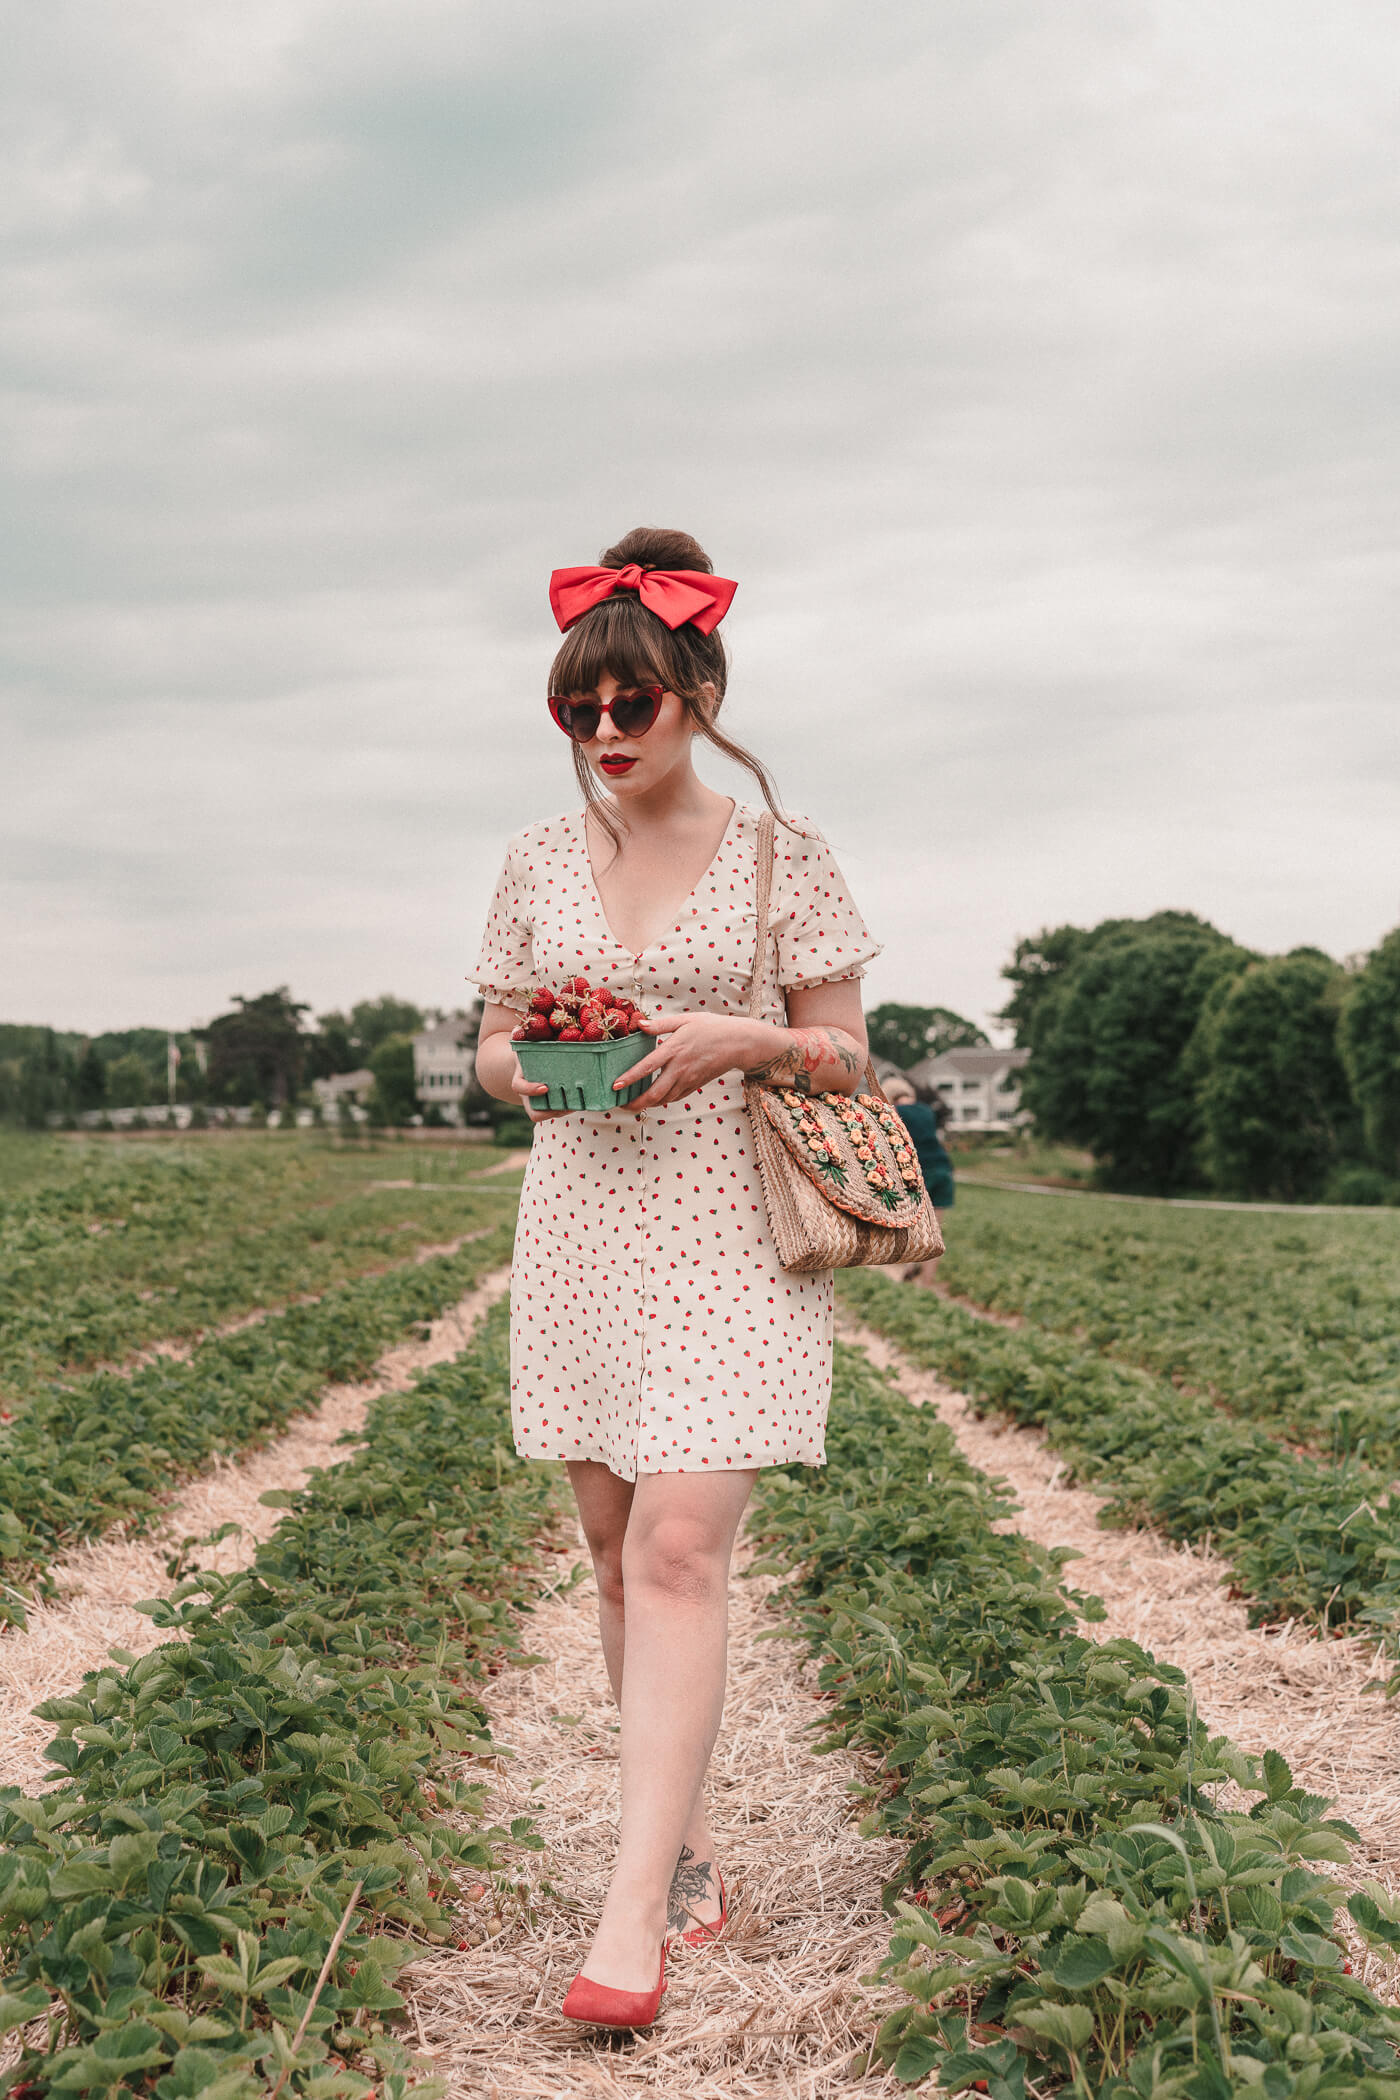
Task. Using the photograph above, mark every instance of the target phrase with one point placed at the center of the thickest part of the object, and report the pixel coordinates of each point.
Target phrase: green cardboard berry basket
(581, 1075)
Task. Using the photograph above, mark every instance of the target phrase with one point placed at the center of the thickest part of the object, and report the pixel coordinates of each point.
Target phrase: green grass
(108, 1244)
(1022, 1158)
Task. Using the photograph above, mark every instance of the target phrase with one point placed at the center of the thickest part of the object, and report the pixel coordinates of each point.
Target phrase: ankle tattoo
(690, 1885)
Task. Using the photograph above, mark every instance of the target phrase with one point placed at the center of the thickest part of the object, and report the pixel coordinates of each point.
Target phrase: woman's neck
(674, 804)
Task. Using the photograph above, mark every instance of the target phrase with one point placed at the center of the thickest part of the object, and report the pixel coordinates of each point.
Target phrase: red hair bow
(674, 595)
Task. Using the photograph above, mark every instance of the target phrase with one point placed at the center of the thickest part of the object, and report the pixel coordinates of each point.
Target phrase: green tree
(395, 1097)
(908, 1034)
(1108, 1037)
(255, 1053)
(373, 1021)
(1036, 966)
(1369, 1035)
(1276, 1110)
(334, 1047)
(129, 1081)
(90, 1079)
(45, 1087)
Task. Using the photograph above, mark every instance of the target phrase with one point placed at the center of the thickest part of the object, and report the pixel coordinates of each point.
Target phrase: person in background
(920, 1117)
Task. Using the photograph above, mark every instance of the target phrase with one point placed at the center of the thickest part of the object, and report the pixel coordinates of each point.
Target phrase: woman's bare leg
(673, 1562)
(604, 1505)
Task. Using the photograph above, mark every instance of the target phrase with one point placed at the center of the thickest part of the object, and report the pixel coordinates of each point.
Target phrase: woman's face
(635, 765)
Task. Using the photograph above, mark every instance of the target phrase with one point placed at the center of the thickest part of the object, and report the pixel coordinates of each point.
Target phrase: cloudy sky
(1033, 366)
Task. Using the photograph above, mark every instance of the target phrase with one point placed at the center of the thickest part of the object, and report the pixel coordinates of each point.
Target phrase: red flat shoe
(701, 1935)
(599, 2005)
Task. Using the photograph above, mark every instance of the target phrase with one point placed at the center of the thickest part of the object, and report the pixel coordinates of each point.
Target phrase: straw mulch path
(774, 2011)
(1278, 1688)
(101, 1581)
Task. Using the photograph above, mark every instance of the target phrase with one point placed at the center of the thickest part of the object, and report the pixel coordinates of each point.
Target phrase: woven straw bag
(840, 1178)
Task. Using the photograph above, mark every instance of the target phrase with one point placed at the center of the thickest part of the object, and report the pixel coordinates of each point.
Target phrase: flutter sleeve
(820, 933)
(503, 973)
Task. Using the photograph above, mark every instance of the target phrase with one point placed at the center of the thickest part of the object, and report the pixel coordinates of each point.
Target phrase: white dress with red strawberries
(652, 1327)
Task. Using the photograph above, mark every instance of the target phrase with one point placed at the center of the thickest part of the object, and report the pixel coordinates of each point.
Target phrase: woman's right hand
(525, 1089)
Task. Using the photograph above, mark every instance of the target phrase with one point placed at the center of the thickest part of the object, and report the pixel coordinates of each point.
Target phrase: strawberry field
(256, 1833)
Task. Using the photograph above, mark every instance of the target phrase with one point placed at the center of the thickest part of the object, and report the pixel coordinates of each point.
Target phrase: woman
(919, 1111)
(657, 1346)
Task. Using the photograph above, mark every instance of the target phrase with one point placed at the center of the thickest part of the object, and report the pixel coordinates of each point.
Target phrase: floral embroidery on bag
(807, 1125)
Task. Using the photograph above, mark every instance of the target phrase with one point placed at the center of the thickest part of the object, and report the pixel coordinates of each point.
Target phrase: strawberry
(578, 985)
(619, 1022)
(561, 1018)
(592, 1033)
(538, 1029)
(571, 1035)
(517, 1035)
(544, 1001)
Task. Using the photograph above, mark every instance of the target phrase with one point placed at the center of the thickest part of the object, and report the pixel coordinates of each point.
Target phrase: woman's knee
(675, 1558)
(607, 1570)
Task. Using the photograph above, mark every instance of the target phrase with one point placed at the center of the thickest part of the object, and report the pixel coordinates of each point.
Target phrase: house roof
(447, 1034)
(344, 1083)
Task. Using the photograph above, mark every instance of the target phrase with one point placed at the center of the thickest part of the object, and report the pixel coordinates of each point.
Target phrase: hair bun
(655, 547)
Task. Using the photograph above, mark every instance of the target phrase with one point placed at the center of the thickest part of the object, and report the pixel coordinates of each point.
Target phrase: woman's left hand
(691, 1050)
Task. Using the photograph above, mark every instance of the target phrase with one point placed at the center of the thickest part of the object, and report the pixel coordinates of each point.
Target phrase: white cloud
(1032, 368)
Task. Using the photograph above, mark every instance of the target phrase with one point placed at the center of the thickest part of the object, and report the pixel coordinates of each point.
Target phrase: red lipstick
(617, 765)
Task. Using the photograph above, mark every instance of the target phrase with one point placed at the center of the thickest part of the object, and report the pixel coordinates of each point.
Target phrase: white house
(443, 1058)
(981, 1087)
(353, 1087)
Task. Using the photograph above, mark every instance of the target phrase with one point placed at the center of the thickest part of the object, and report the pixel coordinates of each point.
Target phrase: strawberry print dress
(652, 1327)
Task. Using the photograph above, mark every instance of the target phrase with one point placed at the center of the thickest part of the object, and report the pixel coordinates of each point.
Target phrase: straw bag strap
(766, 832)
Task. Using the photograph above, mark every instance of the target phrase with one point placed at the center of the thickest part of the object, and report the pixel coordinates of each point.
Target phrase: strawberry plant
(103, 1449)
(1306, 1540)
(1075, 1907)
(1288, 1321)
(107, 1250)
(167, 1907)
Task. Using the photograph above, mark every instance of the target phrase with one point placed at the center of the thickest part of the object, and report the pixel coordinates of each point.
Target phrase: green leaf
(1080, 1963)
(1277, 1777)
(17, 2008)
(1376, 1928)
(1069, 2026)
(918, 2056)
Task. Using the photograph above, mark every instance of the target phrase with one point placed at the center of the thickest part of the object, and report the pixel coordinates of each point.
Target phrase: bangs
(620, 639)
(612, 642)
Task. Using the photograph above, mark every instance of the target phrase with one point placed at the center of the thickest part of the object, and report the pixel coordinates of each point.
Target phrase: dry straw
(776, 2007)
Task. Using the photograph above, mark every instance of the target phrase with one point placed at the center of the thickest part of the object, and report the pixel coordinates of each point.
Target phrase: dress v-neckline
(680, 911)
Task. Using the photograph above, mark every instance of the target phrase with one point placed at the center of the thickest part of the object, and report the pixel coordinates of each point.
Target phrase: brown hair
(622, 640)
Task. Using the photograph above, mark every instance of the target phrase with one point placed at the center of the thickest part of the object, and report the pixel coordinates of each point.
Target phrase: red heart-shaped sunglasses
(631, 714)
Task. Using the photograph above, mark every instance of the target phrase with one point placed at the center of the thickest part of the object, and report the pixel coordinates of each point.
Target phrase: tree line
(261, 1053)
(1183, 1060)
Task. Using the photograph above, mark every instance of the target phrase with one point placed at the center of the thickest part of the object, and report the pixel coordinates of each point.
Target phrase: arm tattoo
(690, 1884)
(810, 1051)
